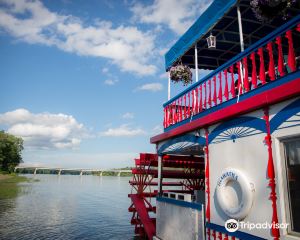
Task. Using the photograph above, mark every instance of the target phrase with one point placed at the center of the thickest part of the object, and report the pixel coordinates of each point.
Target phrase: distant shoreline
(104, 173)
(120, 172)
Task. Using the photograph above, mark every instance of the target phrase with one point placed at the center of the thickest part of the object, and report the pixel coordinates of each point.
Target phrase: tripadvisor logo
(232, 225)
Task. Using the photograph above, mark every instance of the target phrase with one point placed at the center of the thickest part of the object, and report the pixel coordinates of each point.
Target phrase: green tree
(10, 151)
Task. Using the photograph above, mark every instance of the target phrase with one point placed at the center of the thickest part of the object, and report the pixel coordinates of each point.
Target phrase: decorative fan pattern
(178, 147)
(291, 122)
(234, 133)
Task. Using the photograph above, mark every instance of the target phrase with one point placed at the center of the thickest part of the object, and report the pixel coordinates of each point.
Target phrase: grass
(9, 185)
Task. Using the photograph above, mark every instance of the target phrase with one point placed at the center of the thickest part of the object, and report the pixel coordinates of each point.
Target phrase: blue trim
(185, 138)
(261, 89)
(249, 50)
(237, 234)
(213, 13)
(245, 121)
(287, 112)
(180, 203)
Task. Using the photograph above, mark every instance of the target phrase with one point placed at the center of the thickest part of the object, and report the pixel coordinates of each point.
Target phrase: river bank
(9, 185)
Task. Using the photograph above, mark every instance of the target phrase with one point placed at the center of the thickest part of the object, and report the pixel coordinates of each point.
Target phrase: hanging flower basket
(181, 73)
(266, 10)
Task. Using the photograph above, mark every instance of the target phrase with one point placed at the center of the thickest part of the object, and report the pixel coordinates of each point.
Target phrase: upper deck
(266, 72)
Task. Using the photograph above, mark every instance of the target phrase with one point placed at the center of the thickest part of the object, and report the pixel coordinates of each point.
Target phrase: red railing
(268, 60)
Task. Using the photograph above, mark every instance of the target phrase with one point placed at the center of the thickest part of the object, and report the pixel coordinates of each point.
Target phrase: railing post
(239, 83)
(209, 83)
(204, 89)
(271, 68)
(220, 95)
(169, 86)
(254, 74)
(262, 71)
(196, 62)
(291, 54)
(200, 101)
(215, 91)
(246, 80)
(280, 65)
(232, 87)
(226, 93)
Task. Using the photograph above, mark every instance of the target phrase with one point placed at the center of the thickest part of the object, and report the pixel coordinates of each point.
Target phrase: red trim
(220, 237)
(271, 176)
(272, 96)
(207, 212)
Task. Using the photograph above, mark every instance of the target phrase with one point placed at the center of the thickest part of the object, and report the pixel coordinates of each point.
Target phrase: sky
(83, 81)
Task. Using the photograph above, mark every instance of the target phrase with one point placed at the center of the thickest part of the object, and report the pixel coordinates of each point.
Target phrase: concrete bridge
(80, 170)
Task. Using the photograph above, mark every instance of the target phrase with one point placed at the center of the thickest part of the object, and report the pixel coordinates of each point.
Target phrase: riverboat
(227, 165)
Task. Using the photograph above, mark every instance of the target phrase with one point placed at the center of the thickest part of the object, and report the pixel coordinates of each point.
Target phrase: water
(68, 207)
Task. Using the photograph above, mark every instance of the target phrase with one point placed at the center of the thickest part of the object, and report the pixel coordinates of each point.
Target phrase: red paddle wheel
(141, 194)
(188, 172)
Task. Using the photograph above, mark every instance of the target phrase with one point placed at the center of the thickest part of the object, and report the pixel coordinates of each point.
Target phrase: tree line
(10, 151)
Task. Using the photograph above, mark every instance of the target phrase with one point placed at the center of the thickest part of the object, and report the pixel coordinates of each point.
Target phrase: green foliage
(9, 185)
(126, 174)
(10, 151)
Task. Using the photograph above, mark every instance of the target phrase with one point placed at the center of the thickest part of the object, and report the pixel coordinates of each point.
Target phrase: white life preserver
(243, 191)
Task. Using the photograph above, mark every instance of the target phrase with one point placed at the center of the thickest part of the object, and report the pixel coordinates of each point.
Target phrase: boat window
(292, 153)
(180, 197)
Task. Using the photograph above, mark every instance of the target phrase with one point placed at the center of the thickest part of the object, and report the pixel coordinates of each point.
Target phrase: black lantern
(211, 41)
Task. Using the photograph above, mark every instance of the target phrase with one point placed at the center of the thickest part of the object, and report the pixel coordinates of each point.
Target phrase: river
(68, 207)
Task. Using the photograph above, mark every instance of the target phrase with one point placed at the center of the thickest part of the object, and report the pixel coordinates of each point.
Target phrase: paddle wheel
(184, 174)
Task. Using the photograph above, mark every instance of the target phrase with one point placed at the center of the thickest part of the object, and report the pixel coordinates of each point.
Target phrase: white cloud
(44, 130)
(110, 82)
(153, 87)
(128, 115)
(157, 129)
(123, 131)
(105, 70)
(164, 75)
(126, 46)
(177, 15)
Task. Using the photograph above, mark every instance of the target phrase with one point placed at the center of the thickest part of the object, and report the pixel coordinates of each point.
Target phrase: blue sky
(83, 81)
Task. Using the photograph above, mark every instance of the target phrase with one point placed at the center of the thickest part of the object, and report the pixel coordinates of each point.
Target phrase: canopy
(221, 20)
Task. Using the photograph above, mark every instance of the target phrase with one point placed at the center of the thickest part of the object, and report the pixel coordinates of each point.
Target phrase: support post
(271, 176)
(196, 63)
(240, 28)
(169, 86)
(242, 50)
(160, 166)
(119, 174)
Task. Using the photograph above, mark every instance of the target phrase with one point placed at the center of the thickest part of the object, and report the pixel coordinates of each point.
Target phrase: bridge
(80, 170)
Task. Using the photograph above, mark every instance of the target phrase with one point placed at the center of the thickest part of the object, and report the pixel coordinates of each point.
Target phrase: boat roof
(221, 20)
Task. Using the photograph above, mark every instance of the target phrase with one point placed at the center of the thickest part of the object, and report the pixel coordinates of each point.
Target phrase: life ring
(235, 204)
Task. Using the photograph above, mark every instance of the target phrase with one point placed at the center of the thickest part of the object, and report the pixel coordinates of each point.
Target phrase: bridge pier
(119, 174)
(59, 172)
(35, 171)
(101, 173)
(81, 172)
